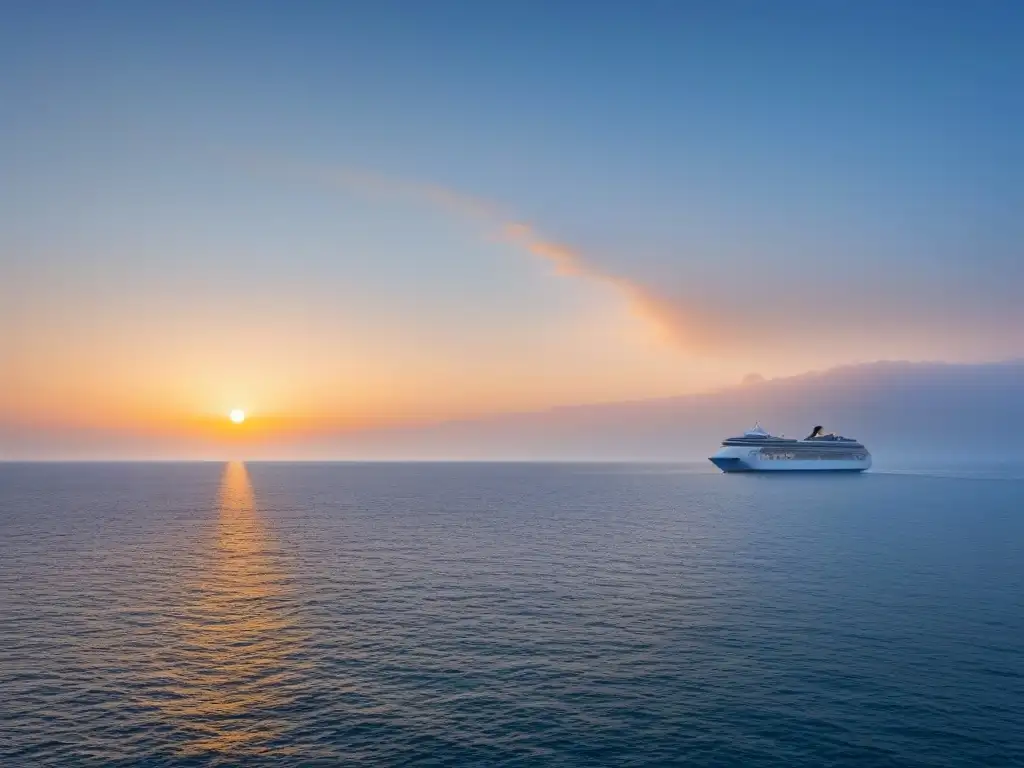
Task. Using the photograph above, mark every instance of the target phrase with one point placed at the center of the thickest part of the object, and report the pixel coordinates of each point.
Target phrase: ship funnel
(814, 433)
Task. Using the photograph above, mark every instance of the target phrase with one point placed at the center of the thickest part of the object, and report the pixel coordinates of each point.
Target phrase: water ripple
(506, 615)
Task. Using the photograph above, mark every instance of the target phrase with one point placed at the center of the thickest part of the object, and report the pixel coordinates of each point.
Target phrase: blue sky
(770, 187)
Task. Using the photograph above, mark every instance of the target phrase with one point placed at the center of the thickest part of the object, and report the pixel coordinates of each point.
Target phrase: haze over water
(508, 614)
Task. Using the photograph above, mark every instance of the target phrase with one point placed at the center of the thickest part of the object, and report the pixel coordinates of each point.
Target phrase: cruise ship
(759, 451)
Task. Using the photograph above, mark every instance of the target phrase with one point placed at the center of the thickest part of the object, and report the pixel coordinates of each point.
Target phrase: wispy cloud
(716, 321)
(449, 200)
(664, 315)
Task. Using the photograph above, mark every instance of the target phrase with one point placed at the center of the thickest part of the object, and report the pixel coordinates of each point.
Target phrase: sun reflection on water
(234, 665)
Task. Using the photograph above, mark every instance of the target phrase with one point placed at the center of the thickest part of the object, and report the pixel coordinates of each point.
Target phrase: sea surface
(508, 614)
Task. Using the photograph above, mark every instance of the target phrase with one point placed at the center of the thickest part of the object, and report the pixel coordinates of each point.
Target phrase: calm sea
(508, 614)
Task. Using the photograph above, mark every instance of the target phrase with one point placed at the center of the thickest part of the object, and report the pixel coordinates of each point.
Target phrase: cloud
(669, 318)
(565, 259)
(699, 322)
(691, 323)
(436, 195)
(840, 316)
(665, 316)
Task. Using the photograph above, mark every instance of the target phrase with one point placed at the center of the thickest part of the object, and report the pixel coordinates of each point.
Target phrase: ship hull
(744, 459)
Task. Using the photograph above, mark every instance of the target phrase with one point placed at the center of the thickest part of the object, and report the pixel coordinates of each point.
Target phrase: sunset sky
(340, 216)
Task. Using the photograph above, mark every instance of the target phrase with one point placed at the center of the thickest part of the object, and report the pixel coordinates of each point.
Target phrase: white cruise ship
(758, 451)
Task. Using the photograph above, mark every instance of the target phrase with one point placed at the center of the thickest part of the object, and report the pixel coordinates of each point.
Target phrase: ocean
(508, 614)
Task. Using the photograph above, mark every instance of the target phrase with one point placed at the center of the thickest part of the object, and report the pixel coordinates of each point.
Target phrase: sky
(358, 215)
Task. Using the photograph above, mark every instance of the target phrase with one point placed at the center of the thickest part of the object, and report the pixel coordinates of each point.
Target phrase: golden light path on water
(233, 667)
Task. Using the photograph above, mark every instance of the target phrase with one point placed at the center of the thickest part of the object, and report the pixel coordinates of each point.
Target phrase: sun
(237, 415)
